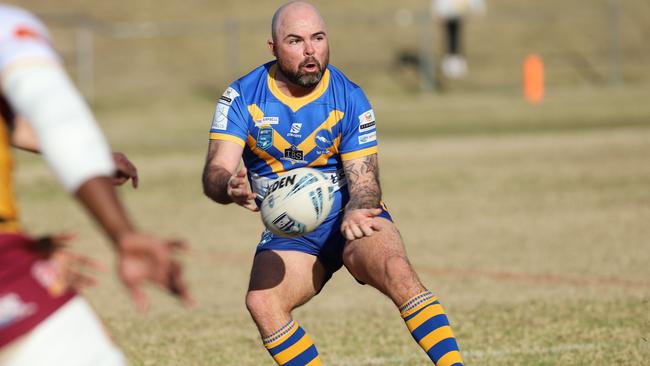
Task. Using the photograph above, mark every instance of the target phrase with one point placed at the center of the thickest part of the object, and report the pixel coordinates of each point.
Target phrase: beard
(304, 79)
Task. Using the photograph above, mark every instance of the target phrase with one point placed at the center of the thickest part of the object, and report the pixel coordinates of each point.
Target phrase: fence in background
(385, 52)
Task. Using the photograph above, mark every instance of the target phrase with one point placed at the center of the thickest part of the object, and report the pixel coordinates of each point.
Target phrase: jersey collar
(292, 102)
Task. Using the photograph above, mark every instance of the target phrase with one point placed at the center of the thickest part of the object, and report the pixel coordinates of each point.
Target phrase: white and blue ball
(297, 202)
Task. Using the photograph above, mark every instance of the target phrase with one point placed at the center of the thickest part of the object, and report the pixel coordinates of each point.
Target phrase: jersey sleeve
(230, 119)
(23, 38)
(359, 135)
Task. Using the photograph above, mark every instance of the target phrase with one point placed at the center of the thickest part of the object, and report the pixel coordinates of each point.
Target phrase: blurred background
(125, 49)
(528, 218)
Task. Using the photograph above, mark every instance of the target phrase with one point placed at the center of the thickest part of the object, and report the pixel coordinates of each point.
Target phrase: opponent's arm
(24, 138)
(220, 182)
(76, 150)
(362, 175)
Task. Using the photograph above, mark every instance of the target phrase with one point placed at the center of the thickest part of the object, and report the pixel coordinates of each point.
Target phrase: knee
(260, 304)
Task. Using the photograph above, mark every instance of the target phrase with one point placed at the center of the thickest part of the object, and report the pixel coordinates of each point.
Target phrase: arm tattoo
(363, 182)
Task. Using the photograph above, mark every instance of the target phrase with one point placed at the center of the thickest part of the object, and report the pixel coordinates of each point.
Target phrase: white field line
(475, 354)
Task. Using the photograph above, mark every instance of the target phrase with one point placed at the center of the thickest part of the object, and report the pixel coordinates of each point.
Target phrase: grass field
(530, 223)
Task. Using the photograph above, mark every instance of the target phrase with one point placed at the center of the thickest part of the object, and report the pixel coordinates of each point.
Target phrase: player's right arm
(221, 180)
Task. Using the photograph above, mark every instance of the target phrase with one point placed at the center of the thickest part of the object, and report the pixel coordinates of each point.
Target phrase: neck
(290, 89)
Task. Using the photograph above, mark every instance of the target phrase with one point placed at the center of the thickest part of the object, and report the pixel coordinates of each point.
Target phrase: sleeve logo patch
(369, 137)
(220, 118)
(367, 117)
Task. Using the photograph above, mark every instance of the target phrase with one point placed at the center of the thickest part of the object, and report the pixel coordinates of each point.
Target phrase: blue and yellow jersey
(279, 133)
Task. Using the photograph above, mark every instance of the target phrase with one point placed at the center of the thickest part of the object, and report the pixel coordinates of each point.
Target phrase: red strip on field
(545, 278)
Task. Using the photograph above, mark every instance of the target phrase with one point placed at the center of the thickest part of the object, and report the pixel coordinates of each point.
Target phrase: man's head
(299, 43)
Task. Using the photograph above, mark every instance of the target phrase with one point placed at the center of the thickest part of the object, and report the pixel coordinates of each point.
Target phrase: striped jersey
(333, 123)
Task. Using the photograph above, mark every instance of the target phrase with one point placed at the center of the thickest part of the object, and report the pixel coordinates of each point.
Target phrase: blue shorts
(326, 242)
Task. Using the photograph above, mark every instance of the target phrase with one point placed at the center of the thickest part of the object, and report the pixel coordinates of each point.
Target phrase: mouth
(311, 66)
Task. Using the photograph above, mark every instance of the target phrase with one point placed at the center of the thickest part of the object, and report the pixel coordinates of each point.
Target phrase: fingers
(177, 284)
(139, 298)
(125, 170)
(252, 206)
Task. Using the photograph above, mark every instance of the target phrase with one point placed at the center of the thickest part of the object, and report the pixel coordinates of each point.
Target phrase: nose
(309, 48)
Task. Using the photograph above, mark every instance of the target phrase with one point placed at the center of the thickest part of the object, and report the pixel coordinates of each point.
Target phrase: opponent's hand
(240, 192)
(358, 223)
(146, 259)
(124, 170)
(74, 269)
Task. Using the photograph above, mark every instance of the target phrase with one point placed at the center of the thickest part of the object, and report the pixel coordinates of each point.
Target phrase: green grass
(529, 222)
(534, 235)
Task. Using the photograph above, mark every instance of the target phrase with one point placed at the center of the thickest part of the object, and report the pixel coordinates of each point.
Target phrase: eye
(294, 41)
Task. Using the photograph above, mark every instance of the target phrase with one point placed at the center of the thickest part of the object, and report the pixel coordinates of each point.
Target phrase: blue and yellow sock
(427, 322)
(291, 346)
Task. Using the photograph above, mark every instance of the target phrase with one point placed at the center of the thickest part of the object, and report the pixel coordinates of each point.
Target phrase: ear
(271, 46)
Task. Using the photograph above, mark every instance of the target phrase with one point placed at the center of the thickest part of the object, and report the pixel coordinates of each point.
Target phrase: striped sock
(291, 346)
(427, 322)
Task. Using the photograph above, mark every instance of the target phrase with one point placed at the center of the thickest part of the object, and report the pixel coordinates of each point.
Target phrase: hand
(125, 170)
(359, 222)
(143, 258)
(73, 268)
(239, 191)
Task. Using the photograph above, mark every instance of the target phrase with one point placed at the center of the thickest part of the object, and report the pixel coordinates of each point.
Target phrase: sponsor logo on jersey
(294, 131)
(295, 127)
(26, 32)
(13, 309)
(323, 139)
(267, 121)
(228, 96)
(220, 118)
(367, 126)
(265, 138)
(294, 155)
(367, 117)
(369, 137)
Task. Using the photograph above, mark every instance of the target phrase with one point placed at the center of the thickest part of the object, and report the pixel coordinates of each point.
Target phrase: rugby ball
(297, 202)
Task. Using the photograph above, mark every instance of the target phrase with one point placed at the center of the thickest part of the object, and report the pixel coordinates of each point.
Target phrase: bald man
(300, 111)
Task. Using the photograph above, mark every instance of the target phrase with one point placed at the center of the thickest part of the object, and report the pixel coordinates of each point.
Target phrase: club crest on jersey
(265, 138)
(294, 155)
(323, 141)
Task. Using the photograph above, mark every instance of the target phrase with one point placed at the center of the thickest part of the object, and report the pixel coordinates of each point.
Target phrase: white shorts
(71, 336)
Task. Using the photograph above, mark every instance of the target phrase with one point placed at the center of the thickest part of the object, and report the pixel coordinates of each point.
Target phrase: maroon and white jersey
(23, 38)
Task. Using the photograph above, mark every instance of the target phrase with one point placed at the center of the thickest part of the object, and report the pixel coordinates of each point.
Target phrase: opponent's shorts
(326, 242)
(30, 287)
(71, 336)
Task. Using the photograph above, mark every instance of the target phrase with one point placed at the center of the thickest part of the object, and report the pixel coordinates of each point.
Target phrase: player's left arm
(23, 137)
(362, 175)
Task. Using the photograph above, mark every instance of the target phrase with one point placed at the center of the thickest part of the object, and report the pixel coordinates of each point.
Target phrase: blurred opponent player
(299, 111)
(42, 320)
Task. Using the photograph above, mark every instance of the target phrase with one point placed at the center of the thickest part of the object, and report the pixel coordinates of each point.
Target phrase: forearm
(100, 199)
(363, 182)
(215, 183)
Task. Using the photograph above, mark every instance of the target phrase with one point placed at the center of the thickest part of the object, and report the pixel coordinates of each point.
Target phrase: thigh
(286, 278)
(381, 261)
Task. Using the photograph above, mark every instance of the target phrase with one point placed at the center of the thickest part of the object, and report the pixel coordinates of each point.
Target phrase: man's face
(301, 47)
